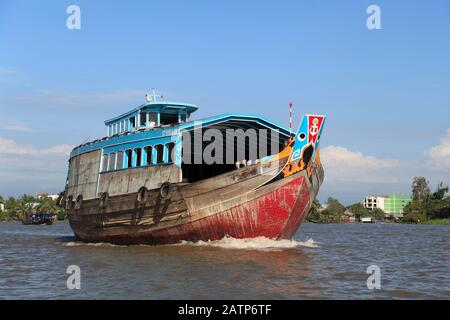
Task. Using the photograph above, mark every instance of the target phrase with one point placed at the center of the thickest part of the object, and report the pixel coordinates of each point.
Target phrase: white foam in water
(258, 243)
(72, 244)
(90, 244)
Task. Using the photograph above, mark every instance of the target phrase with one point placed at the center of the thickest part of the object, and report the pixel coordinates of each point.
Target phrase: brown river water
(321, 262)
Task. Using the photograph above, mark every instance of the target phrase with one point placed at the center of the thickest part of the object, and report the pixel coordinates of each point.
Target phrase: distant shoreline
(428, 222)
(443, 222)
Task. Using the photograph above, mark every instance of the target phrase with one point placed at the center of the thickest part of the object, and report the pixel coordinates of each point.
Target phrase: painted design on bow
(308, 135)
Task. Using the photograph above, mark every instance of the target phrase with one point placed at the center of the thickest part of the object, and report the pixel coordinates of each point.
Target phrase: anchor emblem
(314, 128)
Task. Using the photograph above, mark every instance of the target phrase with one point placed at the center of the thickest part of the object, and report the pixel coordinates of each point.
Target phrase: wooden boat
(145, 183)
(38, 219)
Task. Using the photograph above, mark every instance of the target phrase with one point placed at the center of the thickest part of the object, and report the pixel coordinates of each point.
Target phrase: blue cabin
(150, 115)
(154, 143)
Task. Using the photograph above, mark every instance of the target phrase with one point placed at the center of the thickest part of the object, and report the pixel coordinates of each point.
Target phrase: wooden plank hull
(240, 206)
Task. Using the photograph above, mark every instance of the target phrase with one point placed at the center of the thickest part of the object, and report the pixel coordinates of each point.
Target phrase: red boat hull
(277, 214)
(274, 214)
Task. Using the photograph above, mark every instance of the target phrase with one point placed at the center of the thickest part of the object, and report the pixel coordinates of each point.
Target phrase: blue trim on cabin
(142, 138)
(235, 116)
(163, 133)
(132, 120)
(139, 144)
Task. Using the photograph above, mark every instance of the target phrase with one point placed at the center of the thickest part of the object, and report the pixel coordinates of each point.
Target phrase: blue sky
(386, 92)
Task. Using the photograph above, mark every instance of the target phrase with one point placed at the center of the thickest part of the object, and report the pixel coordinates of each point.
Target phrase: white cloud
(343, 165)
(9, 146)
(32, 173)
(25, 168)
(439, 155)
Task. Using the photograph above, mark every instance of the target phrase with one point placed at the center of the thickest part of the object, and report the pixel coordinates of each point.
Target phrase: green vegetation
(321, 215)
(330, 214)
(438, 221)
(426, 206)
(17, 209)
(360, 212)
(334, 212)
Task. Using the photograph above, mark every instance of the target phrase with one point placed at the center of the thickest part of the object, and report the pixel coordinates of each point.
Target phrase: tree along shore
(16, 209)
(425, 207)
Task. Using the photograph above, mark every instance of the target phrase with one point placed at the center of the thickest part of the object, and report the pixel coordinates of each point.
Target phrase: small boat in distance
(158, 177)
(39, 218)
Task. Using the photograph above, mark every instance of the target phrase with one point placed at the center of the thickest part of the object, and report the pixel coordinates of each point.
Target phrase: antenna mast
(290, 120)
(153, 97)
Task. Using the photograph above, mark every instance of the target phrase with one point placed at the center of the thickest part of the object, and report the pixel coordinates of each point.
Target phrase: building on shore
(40, 195)
(373, 202)
(348, 216)
(2, 207)
(392, 205)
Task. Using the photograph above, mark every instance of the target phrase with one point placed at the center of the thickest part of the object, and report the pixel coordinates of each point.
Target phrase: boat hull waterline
(274, 211)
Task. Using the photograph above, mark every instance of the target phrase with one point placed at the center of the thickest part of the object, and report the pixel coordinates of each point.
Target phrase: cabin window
(138, 154)
(143, 119)
(170, 151)
(129, 156)
(105, 163)
(132, 122)
(182, 118)
(112, 161)
(152, 117)
(159, 153)
(169, 118)
(148, 151)
(119, 162)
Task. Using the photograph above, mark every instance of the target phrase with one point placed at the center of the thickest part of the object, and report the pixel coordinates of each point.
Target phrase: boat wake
(258, 243)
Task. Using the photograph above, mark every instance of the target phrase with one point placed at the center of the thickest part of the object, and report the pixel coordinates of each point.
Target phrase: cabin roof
(160, 106)
(235, 116)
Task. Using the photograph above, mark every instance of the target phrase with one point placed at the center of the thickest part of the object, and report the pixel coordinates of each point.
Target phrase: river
(326, 261)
